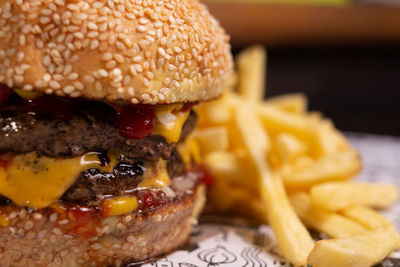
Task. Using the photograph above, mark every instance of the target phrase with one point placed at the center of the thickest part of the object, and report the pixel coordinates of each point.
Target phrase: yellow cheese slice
(37, 181)
(170, 121)
(157, 177)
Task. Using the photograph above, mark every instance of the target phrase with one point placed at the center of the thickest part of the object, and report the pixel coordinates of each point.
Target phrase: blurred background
(344, 55)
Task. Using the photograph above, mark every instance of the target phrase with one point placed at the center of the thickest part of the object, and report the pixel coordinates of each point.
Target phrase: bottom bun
(39, 238)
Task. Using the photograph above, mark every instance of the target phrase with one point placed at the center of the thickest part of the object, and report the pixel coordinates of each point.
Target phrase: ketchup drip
(83, 221)
(204, 174)
(5, 93)
(148, 200)
(51, 106)
(187, 106)
(6, 161)
(135, 122)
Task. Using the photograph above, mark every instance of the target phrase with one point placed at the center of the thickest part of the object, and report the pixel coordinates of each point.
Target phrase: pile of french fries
(291, 168)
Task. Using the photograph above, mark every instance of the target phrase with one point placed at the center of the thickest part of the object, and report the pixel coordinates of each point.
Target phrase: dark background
(358, 87)
(345, 58)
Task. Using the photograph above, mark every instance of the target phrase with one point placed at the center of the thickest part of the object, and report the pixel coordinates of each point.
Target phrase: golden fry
(212, 139)
(287, 147)
(341, 195)
(294, 103)
(333, 167)
(251, 64)
(362, 250)
(367, 217)
(293, 238)
(324, 221)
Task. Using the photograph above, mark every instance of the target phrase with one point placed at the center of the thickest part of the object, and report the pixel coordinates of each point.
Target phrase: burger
(96, 102)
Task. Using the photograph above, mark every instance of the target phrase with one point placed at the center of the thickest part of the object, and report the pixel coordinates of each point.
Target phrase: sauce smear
(5, 93)
(135, 122)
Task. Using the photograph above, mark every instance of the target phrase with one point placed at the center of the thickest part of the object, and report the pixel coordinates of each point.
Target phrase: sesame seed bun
(38, 239)
(144, 51)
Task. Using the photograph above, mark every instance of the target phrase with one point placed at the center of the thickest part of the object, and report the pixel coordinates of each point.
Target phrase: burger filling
(57, 151)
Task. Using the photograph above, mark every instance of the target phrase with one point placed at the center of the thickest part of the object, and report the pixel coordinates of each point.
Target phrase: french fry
(362, 250)
(327, 222)
(293, 238)
(230, 167)
(287, 147)
(277, 121)
(212, 139)
(294, 103)
(251, 64)
(331, 140)
(341, 195)
(333, 167)
(367, 217)
(237, 199)
(214, 113)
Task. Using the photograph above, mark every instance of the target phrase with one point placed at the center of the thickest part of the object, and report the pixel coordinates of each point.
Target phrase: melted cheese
(37, 181)
(157, 178)
(189, 151)
(118, 205)
(170, 121)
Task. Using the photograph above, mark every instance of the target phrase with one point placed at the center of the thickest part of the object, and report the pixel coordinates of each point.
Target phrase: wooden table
(301, 24)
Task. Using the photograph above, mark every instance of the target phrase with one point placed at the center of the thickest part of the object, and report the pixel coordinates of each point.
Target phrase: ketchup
(51, 106)
(83, 221)
(135, 122)
(5, 93)
(5, 162)
(187, 106)
(204, 174)
(149, 200)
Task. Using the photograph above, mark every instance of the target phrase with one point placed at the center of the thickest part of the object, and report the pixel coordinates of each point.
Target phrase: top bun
(137, 51)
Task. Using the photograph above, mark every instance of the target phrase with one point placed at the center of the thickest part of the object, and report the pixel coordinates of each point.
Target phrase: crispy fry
(328, 222)
(287, 147)
(212, 139)
(254, 148)
(333, 167)
(367, 217)
(293, 238)
(237, 199)
(330, 139)
(295, 103)
(341, 195)
(251, 64)
(277, 121)
(230, 167)
(366, 249)
(214, 113)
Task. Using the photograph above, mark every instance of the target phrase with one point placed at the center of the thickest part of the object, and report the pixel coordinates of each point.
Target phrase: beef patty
(92, 185)
(89, 129)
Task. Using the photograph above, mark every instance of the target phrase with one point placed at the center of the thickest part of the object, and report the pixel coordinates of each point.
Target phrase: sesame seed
(78, 85)
(53, 217)
(68, 89)
(141, 28)
(131, 239)
(54, 84)
(57, 231)
(37, 216)
(137, 59)
(96, 246)
(111, 64)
